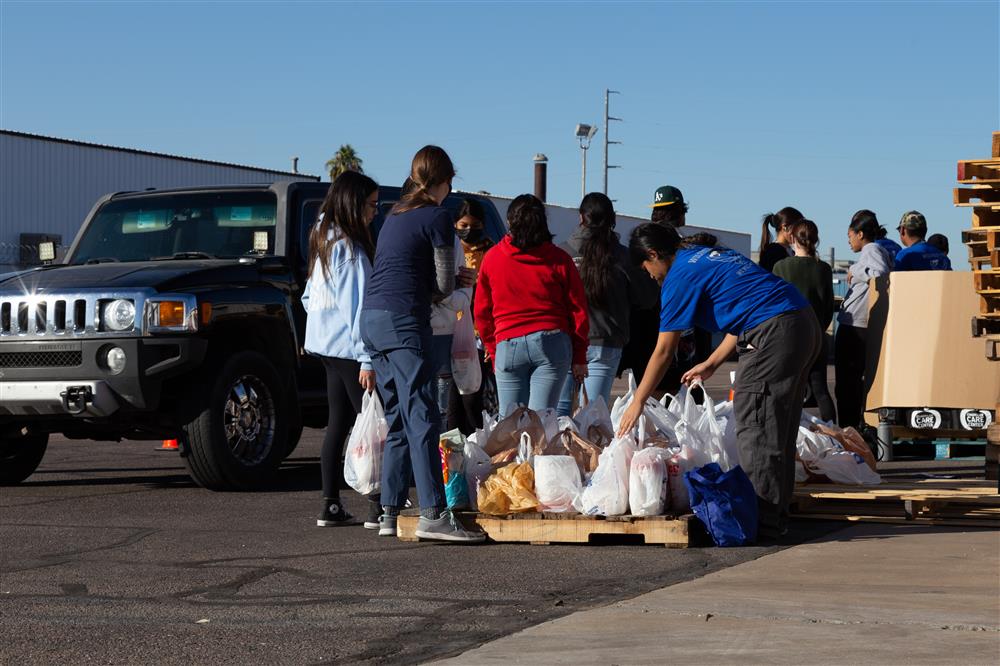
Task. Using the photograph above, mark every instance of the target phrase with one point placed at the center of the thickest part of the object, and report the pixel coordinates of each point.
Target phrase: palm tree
(346, 159)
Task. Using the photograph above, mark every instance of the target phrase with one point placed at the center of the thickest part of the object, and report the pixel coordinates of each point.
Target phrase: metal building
(48, 185)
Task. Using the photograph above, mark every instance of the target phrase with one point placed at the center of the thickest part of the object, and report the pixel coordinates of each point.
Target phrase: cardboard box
(921, 352)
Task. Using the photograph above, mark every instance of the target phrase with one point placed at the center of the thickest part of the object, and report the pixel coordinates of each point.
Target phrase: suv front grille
(41, 359)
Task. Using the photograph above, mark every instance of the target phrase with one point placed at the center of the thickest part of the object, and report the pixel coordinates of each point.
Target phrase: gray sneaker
(387, 525)
(447, 528)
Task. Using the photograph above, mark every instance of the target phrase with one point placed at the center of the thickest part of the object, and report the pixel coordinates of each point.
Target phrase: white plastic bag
(465, 367)
(607, 492)
(363, 457)
(680, 461)
(594, 413)
(647, 482)
(822, 454)
(557, 483)
(477, 468)
(658, 420)
(550, 421)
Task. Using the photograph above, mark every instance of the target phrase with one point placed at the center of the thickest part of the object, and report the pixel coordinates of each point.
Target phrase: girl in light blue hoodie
(340, 254)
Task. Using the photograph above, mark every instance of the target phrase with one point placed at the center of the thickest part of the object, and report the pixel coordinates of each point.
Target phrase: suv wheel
(240, 437)
(21, 451)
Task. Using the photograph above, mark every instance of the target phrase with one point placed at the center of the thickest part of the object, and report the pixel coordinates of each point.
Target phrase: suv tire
(240, 437)
(21, 451)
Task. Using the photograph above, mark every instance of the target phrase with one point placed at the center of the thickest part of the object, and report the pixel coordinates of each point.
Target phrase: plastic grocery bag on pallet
(363, 457)
(451, 445)
(557, 483)
(584, 452)
(702, 429)
(593, 418)
(477, 468)
(606, 493)
(504, 438)
(647, 482)
(681, 460)
(657, 422)
(511, 489)
(822, 458)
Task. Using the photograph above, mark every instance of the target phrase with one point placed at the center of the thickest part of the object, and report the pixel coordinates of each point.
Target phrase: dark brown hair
(344, 213)
(431, 166)
(865, 223)
(785, 217)
(527, 223)
(598, 249)
(806, 234)
(664, 241)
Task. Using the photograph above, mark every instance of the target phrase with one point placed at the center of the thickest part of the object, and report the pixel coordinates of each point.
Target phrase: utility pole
(607, 135)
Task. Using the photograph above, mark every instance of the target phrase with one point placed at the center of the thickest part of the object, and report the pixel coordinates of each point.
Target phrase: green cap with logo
(667, 196)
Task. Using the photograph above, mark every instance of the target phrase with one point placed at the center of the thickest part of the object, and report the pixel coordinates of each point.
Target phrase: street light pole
(584, 133)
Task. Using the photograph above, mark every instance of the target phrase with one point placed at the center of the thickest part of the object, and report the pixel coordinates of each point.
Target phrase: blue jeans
(441, 360)
(401, 347)
(531, 369)
(602, 366)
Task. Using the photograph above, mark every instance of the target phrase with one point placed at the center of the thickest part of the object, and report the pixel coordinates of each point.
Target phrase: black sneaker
(374, 513)
(333, 515)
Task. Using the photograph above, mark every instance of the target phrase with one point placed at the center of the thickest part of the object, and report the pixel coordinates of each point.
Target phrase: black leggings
(343, 396)
(849, 354)
(819, 388)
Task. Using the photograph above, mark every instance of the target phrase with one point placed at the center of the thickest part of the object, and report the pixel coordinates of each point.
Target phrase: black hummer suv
(176, 314)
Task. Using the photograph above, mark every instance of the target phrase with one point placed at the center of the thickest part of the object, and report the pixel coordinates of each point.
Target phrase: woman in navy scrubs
(766, 320)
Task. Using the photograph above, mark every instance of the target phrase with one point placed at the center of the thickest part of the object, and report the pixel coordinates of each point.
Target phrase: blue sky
(747, 107)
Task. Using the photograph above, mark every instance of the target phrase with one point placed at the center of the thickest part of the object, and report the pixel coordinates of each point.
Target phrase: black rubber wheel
(21, 451)
(240, 437)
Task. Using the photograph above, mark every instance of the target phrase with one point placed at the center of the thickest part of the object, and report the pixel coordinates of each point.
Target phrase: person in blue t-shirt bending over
(767, 320)
(917, 254)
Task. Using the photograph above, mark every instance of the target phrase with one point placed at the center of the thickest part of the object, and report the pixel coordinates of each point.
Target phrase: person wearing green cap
(668, 206)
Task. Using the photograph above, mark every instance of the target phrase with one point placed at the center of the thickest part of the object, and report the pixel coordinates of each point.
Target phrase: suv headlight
(118, 315)
(171, 314)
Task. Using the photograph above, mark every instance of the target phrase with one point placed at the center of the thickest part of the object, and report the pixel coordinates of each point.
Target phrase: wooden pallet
(987, 281)
(979, 172)
(984, 248)
(985, 217)
(547, 528)
(986, 197)
(989, 303)
(985, 326)
(960, 502)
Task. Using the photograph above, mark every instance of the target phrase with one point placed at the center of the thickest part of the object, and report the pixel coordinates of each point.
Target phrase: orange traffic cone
(169, 445)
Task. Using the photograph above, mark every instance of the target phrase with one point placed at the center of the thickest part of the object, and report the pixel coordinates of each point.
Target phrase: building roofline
(136, 151)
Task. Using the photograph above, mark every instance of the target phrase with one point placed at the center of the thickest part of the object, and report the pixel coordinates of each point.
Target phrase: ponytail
(806, 235)
(785, 217)
(431, 166)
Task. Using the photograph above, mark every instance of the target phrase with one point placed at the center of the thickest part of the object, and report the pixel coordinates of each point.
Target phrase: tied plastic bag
(701, 429)
(607, 492)
(452, 448)
(505, 437)
(363, 457)
(657, 419)
(550, 422)
(647, 482)
(511, 489)
(478, 467)
(725, 502)
(586, 454)
(557, 483)
(465, 366)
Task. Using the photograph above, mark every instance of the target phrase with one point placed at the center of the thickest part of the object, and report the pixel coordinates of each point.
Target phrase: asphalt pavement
(110, 554)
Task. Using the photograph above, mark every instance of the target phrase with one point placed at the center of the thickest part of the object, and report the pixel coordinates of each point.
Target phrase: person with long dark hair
(465, 412)
(414, 265)
(771, 325)
(771, 252)
(531, 311)
(605, 271)
(340, 254)
(852, 322)
(814, 280)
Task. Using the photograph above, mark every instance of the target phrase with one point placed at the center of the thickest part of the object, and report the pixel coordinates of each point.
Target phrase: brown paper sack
(585, 453)
(507, 434)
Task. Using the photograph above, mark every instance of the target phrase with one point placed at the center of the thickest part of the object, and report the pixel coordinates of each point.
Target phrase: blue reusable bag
(725, 502)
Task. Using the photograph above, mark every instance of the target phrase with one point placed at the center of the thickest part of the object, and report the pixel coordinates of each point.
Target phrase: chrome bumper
(86, 398)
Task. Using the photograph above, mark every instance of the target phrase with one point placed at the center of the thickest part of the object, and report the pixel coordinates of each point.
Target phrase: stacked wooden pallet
(958, 502)
(982, 194)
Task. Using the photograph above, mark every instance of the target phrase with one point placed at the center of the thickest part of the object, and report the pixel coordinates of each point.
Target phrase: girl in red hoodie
(531, 311)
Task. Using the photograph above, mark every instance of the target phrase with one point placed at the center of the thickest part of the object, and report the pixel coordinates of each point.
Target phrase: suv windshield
(178, 226)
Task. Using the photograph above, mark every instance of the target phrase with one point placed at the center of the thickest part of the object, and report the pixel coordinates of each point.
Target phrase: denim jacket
(333, 304)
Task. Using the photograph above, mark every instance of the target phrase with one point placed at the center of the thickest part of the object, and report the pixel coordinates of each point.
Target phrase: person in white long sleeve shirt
(340, 256)
(852, 322)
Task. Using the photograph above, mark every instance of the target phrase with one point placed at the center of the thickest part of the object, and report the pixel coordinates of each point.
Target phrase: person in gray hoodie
(607, 276)
(852, 322)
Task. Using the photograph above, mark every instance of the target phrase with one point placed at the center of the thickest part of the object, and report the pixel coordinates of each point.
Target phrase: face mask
(470, 234)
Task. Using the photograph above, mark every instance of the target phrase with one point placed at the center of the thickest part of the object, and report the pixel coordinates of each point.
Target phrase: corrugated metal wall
(49, 187)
